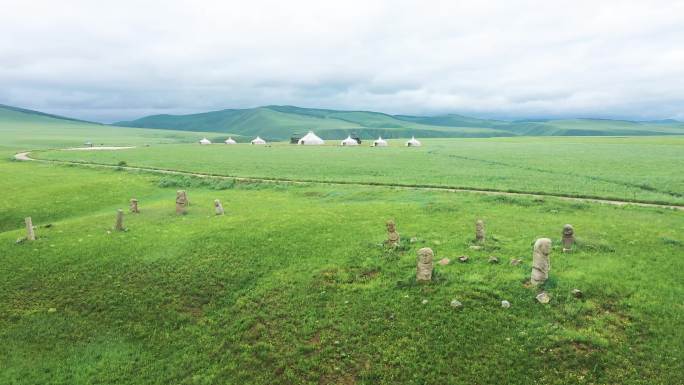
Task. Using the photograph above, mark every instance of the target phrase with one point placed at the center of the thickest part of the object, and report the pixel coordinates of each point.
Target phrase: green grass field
(294, 286)
(641, 169)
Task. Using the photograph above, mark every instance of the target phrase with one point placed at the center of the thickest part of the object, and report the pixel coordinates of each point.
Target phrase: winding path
(24, 156)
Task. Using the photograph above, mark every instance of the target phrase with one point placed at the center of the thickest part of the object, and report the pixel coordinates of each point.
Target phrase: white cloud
(119, 60)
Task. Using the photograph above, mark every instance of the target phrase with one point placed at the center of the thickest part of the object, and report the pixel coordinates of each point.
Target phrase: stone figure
(568, 238)
(392, 235)
(480, 231)
(424, 265)
(540, 261)
(30, 234)
(218, 207)
(181, 202)
(119, 220)
(134, 206)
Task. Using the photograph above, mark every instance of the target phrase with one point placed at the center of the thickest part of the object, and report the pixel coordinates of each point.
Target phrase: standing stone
(30, 235)
(540, 261)
(424, 265)
(568, 238)
(181, 202)
(392, 235)
(480, 231)
(119, 220)
(218, 207)
(134, 206)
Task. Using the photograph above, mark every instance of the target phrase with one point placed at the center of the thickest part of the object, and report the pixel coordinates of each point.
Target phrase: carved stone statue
(392, 235)
(424, 265)
(119, 221)
(218, 207)
(568, 238)
(30, 234)
(181, 202)
(480, 231)
(134, 206)
(540, 261)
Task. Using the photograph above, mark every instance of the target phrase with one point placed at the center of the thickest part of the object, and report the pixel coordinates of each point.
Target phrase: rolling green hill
(27, 129)
(281, 122)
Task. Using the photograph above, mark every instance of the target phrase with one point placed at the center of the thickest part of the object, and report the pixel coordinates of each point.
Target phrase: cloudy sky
(117, 60)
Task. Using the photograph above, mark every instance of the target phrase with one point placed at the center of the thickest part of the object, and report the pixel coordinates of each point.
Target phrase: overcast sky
(507, 59)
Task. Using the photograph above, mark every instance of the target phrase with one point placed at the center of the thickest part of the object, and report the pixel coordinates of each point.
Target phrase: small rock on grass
(493, 259)
(577, 293)
(444, 261)
(515, 261)
(424, 302)
(413, 240)
(543, 298)
(463, 258)
(456, 304)
(475, 247)
(505, 304)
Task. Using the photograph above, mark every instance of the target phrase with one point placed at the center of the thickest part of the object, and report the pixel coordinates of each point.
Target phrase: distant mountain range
(281, 122)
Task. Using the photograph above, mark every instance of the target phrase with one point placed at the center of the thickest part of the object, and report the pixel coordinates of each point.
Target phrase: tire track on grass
(24, 156)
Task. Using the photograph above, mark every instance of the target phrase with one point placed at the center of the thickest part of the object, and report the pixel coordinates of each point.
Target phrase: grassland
(644, 169)
(292, 286)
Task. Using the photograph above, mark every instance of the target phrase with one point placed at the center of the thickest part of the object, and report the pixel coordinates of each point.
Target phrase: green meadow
(293, 285)
(646, 169)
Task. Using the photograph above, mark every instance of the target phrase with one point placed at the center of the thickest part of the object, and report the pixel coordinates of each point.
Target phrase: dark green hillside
(281, 122)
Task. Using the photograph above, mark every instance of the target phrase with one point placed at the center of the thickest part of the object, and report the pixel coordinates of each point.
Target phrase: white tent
(230, 141)
(310, 139)
(205, 141)
(413, 142)
(349, 142)
(258, 140)
(380, 142)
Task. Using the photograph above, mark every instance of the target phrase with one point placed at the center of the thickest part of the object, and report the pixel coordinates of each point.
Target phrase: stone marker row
(182, 203)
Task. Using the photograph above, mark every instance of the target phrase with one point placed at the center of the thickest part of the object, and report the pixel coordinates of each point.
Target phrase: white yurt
(413, 142)
(380, 142)
(205, 141)
(230, 141)
(258, 140)
(349, 142)
(311, 139)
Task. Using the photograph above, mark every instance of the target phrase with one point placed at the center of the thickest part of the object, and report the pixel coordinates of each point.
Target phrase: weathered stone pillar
(568, 238)
(218, 207)
(392, 235)
(181, 202)
(424, 265)
(540, 261)
(480, 231)
(30, 234)
(119, 220)
(134, 206)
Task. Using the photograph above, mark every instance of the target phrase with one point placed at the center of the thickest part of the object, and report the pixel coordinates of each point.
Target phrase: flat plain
(646, 169)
